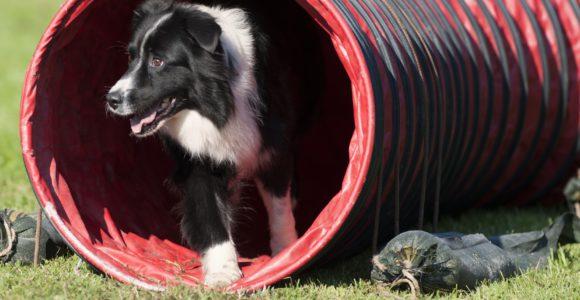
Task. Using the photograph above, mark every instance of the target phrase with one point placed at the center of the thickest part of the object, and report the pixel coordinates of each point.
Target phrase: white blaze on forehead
(152, 30)
(127, 82)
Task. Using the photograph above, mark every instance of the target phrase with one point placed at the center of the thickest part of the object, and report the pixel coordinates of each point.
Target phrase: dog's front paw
(222, 276)
(220, 265)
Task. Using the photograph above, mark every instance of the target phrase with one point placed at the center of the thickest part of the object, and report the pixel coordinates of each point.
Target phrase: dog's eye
(156, 62)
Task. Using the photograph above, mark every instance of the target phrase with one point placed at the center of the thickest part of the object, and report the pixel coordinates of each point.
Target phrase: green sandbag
(453, 260)
(17, 238)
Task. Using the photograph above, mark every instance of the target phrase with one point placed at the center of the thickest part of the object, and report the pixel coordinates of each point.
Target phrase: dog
(208, 82)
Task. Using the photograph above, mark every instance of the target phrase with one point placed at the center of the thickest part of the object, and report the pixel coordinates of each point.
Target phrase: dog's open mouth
(146, 123)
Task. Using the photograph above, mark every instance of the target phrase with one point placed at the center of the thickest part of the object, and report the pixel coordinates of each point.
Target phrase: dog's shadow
(339, 272)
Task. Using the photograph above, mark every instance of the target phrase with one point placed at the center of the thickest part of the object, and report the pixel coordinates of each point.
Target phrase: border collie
(207, 81)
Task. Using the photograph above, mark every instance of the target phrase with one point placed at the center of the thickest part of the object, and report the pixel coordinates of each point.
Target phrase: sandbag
(444, 261)
(18, 234)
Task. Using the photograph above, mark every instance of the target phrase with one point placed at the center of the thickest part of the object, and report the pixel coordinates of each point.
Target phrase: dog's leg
(275, 189)
(281, 219)
(206, 226)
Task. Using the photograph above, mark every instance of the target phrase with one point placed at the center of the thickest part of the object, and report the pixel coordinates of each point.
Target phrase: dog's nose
(114, 99)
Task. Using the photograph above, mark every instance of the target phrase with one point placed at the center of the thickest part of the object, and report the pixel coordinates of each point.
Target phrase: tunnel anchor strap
(426, 139)
(10, 237)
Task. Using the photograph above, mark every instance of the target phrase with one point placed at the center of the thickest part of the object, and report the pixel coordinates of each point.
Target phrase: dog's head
(176, 62)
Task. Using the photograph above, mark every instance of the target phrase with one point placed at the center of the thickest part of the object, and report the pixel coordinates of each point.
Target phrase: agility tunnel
(424, 106)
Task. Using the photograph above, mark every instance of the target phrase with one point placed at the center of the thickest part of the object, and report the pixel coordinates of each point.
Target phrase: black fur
(206, 219)
(278, 127)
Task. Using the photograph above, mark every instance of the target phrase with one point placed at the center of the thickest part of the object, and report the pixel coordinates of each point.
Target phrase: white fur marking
(220, 265)
(281, 219)
(124, 84)
(236, 142)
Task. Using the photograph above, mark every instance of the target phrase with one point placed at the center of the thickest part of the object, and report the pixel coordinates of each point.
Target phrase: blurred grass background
(21, 25)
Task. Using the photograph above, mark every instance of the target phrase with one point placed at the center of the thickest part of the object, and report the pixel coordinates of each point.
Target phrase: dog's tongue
(138, 122)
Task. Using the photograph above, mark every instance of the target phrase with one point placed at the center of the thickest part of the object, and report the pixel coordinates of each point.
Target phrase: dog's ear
(151, 7)
(204, 30)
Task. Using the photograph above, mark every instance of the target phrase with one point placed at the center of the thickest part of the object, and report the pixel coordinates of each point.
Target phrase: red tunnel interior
(110, 186)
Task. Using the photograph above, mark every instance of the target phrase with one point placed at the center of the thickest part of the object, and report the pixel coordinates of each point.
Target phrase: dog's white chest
(237, 142)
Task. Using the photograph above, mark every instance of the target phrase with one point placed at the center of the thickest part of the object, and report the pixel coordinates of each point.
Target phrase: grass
(22, 23)
(57, 279)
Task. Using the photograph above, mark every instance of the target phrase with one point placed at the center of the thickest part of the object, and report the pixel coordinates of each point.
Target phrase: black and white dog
(206, 79)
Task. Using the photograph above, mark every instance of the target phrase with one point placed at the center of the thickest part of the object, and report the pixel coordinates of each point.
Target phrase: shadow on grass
(342, 272)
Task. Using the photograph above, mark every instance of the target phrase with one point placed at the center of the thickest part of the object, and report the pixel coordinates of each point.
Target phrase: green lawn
(21, 24)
